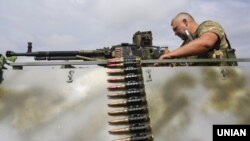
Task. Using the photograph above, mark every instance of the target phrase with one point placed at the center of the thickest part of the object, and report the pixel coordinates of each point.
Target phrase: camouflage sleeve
(210, 26)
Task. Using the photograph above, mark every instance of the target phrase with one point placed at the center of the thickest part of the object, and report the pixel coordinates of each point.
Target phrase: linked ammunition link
(141, 137)
(127, 85)
(134, 118)
(128, 93)
(130, 101)
(139, 109)
(130, 110)
(127, 72)
(132, 128)
(137, 137)
(128, 77)
(138, 118)
(140, 128)
(136, 100)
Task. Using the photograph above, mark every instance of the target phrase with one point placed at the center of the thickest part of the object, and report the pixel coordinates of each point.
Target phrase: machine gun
(141, 47)
(63, 55)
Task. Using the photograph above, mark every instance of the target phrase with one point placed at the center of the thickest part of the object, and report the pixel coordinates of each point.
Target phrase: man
(207, 40)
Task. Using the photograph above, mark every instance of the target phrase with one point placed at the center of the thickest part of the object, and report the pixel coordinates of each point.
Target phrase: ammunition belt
(130, 89)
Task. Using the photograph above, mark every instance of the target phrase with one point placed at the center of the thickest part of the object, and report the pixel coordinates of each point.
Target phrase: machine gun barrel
(57, 58)
(43, 53)
(88, 53)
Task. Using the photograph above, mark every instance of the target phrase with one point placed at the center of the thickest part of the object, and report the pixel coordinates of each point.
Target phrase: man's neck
(193, 28)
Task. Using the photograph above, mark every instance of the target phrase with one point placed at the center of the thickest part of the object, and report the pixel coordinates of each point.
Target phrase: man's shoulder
(210, 26)
(209, 23)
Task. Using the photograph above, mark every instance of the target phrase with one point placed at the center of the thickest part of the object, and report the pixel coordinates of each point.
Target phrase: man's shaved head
(184, 25)
(181, 16)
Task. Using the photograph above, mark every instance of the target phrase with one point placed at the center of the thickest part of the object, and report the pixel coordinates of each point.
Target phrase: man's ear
(185, 21)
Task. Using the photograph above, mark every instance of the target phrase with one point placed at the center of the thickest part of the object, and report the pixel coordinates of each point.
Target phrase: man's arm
(204, 43)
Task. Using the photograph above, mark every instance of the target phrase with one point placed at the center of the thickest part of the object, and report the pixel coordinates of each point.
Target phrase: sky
(91, 24)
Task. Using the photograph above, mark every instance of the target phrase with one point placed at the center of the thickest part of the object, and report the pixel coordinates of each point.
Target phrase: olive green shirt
(218, 52)
(211, 26)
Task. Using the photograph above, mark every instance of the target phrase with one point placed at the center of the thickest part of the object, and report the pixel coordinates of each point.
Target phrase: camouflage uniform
(219, 52)
(2, 62)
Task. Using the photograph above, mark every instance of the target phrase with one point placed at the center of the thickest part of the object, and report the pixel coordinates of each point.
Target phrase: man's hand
(165, 56)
